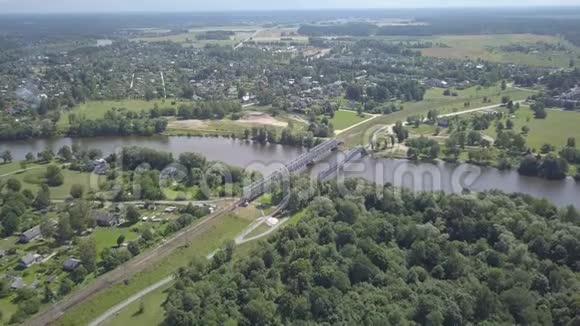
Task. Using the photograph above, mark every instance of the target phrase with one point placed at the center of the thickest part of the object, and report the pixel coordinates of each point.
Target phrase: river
(267, 157)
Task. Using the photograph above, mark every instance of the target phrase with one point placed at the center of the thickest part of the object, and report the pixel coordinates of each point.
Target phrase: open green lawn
(344, 119)
(433, 99)
(8, 308)
(107, 237)
(33, 178)
(487, 47)
(152, 313)
(97, 109)
(14, 167)
(217, 233)
(554, 130)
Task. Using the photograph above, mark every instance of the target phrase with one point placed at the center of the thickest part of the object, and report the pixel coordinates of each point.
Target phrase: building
(17, 283)
(71, 264)
(29, 260)
(99, 166)
(171, 209)
(30, 235)
(106, 219)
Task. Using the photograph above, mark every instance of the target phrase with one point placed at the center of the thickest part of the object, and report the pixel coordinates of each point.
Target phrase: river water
(267, 157)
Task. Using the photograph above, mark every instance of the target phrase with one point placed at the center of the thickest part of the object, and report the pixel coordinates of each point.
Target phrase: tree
(354, 92)
(553, 167)
(64, 231)
(503, 85)
(66, 285)
(7, 156)
(525, 130)
(13, 184)
(88, 254)
(529, 166)
(539, 110)
(120, 240)
(77, 191)
(347, 212)
(132, 214)
(54, 176)
(133, 248)
(48, 294)
(29, 157)
(42, 199)
(509, 124)
(149, 94)
(571, 142)
(79, 215)
(45, 156)
(79, 274)
(65, 153)
(46, 227)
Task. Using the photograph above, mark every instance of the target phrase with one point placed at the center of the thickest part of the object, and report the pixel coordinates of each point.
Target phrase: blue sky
(38, 6)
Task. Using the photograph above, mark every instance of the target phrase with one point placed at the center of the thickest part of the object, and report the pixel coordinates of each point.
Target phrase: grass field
(152, 313)
(344, 119)
(107, 237)
(14, 167)
(33, 178)
(433, 99)
(486, 47)
(217, 233)
(554, 130)
(97, 109)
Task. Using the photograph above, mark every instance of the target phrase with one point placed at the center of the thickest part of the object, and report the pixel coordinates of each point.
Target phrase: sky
(59, 6)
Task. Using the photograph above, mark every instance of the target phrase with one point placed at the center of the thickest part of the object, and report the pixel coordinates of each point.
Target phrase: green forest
(392, 257)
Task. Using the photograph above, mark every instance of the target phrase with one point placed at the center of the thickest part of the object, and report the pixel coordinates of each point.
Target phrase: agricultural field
(189, 38)
(554, 130)
(97, 109)
(487, 47)
(279, 34)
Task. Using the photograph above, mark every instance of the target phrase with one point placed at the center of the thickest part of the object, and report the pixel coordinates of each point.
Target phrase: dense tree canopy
(397, 258)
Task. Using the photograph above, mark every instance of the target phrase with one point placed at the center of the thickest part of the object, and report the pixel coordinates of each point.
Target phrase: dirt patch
(262, 119)
(186, 124)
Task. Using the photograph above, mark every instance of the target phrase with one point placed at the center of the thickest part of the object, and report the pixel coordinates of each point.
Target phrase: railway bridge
(334, 167)
(258, 188)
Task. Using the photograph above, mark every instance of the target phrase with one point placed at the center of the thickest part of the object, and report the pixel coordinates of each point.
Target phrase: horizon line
(519, 7)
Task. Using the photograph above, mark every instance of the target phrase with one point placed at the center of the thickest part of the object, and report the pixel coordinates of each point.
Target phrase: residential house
(29, 260)
(99, 166)
(17, 283)
(30, 235)
(106, 219)
(71, 264)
